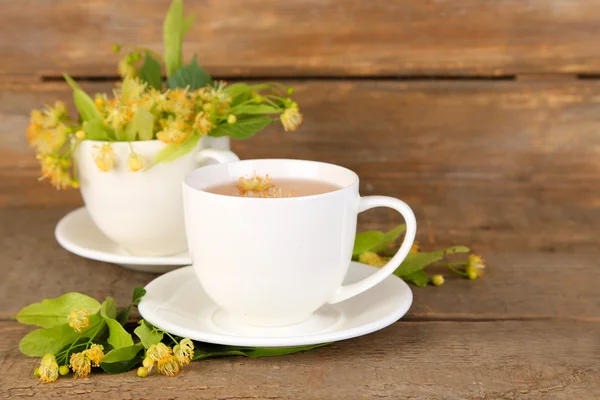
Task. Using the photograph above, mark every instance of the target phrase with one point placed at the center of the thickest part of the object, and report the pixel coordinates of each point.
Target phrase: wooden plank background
(483, 115)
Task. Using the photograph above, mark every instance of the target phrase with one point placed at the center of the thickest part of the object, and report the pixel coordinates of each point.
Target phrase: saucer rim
(144, 309)
(99, 255)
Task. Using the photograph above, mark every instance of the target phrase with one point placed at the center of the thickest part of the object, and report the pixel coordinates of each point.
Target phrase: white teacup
(142, 211)
(275, 261)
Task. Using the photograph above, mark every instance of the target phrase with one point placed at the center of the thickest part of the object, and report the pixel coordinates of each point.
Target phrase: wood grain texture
(412, 360)
(520, 284)
(308, 38)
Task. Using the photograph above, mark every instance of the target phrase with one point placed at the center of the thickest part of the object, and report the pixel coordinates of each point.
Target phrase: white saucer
(176, 303)
(77, 233)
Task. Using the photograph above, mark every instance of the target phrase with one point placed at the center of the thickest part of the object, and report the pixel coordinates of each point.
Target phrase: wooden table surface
(483, 116)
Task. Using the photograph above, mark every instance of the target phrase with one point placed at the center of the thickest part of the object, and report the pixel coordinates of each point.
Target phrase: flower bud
(63, 370)
(142, 372)
(231, 119)
(36, 372)
(437, 280)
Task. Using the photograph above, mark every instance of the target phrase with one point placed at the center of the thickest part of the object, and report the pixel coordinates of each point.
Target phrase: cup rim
(205, 169)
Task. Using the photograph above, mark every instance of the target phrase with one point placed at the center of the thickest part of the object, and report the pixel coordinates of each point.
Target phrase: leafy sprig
(100, 336)
(374, 248)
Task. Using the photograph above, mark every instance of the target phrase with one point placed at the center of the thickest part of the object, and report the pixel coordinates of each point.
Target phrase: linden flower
(254, 184)
(475, 267)
(174, 131)
(179, 103)
(79, 319)
(80, 364)
(95, 354)
(291, 119)
(372, 259)
(117, 115)
(48, 369)
(184, 351)
(56, 114)
(105, 157)
(275, 193)
(46, 139)
(159, 351)
(168, 366)
(56, 168)
(135, 162)
(202, 124)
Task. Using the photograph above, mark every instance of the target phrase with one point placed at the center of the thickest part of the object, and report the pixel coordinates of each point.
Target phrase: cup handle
(366, 203)
(219, 155)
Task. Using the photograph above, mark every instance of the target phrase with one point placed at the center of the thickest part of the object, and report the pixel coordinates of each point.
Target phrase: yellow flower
(415, 248)
(135, 162)
(79, 319)
(371, 258)
(80, 135)
(117, 115)
(179, 103)
(168, 366)
(46, 140)
(437, 280)
(184, 351)
(158, 352)
(175, 131)
(56, 114)
(80, 364)
(132, 90)
(95, 353)
(48, 368)
(202, 124)
(217, 93)
(475, 267)
(255, 184)
(105, 157)
(56, 169)
(291, 119)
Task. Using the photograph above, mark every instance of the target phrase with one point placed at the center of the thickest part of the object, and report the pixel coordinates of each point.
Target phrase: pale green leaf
(187, 25)
(174, 27)
(191, 76)
(242, 129)
(173, 151)
(150, 72)
(109, 308)
(117, 335)
(389, 237)
(96, 130)
(365, 241)
(53, 312)
(141, 126)
(256, 109)
(84, 104)
(147, 335)
(417, 261)
(122, 359)
(419, 278)
(51, 340)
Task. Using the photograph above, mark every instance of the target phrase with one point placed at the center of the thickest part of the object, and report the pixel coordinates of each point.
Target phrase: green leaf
(51, 340)
(237, 88)
(122, 359)
(109, 308)
(417, 261)
(117, 336)
(192, 76)
(150, 72)
(389, 237)
(365, 241)
(141, 126)
(96, 130)
(256, 109)
(123, 315)
(174, 28)
(208, 350)
(84, 104)
(53, 312)
(242, 129)
(173, 151)
(147, 335)
(419, 278)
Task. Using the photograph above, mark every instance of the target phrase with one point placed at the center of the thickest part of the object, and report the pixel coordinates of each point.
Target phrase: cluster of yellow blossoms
(167, 361)
(50, 133)
(81, 364)
(79, 319)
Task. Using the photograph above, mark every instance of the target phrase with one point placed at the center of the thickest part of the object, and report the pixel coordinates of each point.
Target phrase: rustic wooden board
(521, 283)
(417, 360)
(311, 37)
